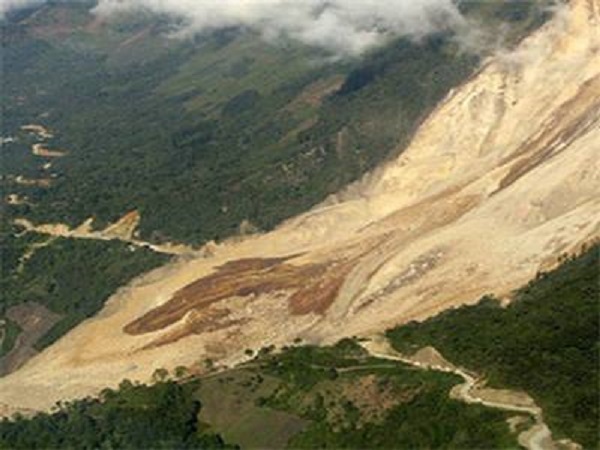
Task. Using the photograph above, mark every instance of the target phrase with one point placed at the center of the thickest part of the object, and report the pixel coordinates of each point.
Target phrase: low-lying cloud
(342, 27)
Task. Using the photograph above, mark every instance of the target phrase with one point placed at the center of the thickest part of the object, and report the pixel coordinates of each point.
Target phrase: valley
(461, 213)
(397, 249)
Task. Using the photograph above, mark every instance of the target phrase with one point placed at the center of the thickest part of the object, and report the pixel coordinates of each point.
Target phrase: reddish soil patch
(198, 323)
(375, 398)
(314, 94)
(318, 293)
(314, 287)
(95, 25)
(59, 25)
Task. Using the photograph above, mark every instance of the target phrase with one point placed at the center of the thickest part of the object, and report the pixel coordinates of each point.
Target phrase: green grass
(545, 342)
(244, 64)
(229, 406)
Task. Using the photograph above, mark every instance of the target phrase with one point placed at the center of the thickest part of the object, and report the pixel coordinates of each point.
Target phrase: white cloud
(344, 27)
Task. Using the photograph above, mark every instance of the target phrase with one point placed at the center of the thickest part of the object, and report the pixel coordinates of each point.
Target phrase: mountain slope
(363, 394)
(545, 343)
(200, 135)
(499, 181)
(304, 397)
(113, 130)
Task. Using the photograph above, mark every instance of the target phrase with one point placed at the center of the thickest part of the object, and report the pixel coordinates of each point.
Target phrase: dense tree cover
(305, 366)
(166, 415)
(425, 418)
(545, 342)
(70, 277)
(161, 416)
(430, 420)
(200, 135)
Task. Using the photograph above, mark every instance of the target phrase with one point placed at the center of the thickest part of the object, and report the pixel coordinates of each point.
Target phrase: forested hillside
(545, 342)
(202, 134)
(49, 285)
(304, 397)
(205, 137)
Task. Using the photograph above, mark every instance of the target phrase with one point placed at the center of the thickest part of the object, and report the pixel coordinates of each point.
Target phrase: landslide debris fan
(499, 181)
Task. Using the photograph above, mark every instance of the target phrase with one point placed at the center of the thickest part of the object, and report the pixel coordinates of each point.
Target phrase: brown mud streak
(198, 323)
(315, 288)
(553, 142)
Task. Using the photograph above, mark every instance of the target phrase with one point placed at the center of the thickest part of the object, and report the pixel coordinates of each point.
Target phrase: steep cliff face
(502, 179)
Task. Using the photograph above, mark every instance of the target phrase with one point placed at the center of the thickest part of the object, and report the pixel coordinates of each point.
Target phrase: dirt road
(121, 230)
(537, 437)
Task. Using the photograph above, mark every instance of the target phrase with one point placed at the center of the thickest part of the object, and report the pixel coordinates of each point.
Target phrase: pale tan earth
(123, 229)
(39, 130)
(41, 150)
(500, 181)
(39, 182)
(16, 199)
(517, 422)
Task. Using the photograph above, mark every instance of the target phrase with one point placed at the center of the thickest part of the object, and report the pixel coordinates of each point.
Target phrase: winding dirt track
(122, 230)
(537, 437)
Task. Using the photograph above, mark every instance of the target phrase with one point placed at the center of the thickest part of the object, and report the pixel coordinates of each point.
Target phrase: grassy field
(229, 405)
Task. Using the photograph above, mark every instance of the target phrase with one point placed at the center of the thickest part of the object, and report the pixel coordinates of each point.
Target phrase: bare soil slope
(502, 179)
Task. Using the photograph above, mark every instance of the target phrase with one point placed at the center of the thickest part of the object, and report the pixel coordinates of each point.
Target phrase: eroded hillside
(500, 181)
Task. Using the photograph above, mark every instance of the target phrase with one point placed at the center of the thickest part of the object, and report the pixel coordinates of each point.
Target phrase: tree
(160, 375)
